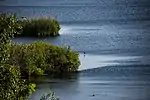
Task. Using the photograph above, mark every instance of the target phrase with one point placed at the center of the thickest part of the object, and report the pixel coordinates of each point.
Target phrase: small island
(39, 27)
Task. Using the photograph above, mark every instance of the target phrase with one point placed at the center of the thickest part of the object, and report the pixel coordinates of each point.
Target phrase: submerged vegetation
(19, 60)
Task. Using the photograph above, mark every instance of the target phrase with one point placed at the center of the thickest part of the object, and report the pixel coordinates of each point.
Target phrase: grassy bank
(43, 58)
(39, 27)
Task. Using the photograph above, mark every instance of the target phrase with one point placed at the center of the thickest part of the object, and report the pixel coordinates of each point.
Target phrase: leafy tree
(12, 87)
(8, 27)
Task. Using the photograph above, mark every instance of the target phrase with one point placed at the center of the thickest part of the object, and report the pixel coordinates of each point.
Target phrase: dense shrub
(12, 87)
(40, 57)
(40, 27)
(8, 27)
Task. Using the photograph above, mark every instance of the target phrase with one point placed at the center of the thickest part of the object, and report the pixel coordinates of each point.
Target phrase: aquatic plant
(49, 96)
(40, 27)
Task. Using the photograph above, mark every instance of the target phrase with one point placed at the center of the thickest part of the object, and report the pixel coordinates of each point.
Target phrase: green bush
(12, 87)
(8, 27)
(46, 57)
(40, 27)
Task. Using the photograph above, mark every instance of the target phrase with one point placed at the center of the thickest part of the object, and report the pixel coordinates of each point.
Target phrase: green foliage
(12, 87)
(29, 59)
(40, 27)
(46, 57)
(8, 27)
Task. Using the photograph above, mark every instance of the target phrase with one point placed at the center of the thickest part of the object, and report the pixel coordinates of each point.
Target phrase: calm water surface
(115, 36)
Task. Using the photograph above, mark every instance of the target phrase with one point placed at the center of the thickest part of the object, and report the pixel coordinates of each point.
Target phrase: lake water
(115, 36)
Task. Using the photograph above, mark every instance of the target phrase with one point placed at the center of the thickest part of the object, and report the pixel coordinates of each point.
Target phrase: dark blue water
(115, 36)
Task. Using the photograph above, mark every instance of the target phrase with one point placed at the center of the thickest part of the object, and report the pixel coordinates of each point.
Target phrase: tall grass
(40, 27)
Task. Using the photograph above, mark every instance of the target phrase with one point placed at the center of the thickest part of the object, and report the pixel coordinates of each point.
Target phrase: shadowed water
(106, 83)
(114, 34)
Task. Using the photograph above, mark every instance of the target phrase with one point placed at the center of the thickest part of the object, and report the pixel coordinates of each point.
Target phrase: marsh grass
(40, 27)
